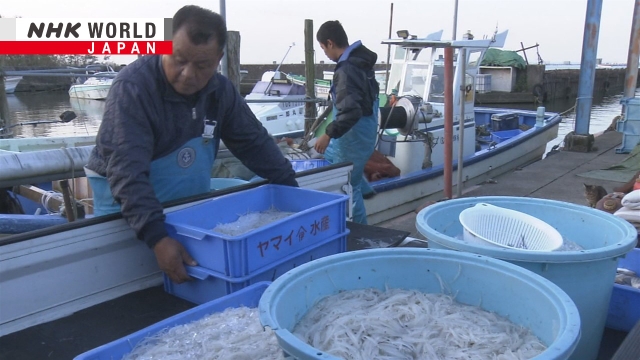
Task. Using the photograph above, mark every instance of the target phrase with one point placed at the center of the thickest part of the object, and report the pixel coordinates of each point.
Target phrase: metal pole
(588, 66)
(455, 20)
(287, 53)
(631, 77)
(524, 53)
(448, 121)
(310, 76)
(4, 106)
(223, 64)
(386, 81)
(462, 72)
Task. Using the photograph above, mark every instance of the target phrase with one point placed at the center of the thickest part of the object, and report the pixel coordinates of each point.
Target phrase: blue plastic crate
(301, 165)
(629, 126)
(500, 136)
(629, 142)
(317, 216)
(631, 108)
(116, 350)
(624, 307)
(208, 285)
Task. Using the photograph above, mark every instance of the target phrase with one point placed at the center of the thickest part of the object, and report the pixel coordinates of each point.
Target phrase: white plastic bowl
(494, 226)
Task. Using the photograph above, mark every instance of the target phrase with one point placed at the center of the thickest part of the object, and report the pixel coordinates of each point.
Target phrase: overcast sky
(268, 27)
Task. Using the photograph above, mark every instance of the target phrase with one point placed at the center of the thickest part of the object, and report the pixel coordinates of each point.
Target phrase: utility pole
(223, 64)
(310, 76)
(631, 76)
(582, 141)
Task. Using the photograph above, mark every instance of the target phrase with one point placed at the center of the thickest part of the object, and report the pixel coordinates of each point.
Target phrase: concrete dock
(555, 178)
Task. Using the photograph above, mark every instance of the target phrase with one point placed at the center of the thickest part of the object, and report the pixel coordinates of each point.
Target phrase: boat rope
(574, 105)
(73, 182)
(567, 111)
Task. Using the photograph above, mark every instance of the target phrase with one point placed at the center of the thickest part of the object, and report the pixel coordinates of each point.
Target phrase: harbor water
(25, 107)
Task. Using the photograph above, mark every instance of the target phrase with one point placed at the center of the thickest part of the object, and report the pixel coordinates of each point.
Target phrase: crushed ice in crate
(235, 333)
(251, 221)
(407, 324)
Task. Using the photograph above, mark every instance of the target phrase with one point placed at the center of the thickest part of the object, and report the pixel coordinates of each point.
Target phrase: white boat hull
(10, 84)
(400, 200)
(90, 92)
(50, 276)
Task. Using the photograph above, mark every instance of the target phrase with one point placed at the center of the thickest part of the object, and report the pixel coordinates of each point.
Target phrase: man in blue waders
(163, 122)
(352, 134)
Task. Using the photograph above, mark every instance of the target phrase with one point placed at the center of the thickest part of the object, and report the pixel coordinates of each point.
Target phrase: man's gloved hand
(171, 257)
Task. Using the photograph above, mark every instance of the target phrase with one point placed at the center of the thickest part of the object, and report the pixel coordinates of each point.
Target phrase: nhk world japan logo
(22, 36)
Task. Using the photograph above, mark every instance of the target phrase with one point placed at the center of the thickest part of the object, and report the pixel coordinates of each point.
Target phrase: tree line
(32, 62)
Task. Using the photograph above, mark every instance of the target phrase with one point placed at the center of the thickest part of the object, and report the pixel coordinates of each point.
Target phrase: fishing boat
(412, 130)
(277, 101)
(52, 272)
(321, 86)
(10, 83)
(95, 87)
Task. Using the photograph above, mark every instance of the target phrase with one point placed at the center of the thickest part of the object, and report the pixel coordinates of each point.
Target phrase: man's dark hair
(202, 25)
(333, 30)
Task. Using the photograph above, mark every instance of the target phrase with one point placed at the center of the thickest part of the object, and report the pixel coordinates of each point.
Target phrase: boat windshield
(415, 79)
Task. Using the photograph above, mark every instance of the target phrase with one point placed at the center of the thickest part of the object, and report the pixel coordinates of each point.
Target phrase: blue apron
(184, 172)
(356, 146)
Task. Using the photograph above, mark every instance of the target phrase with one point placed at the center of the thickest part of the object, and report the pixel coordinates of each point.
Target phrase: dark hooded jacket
(145, 119)
(354, 89)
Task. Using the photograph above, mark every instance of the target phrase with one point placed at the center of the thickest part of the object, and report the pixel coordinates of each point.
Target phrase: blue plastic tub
(624, 307)
(318, 216)
(528, 300)
(587, 276)
(208, 285)
(117, 349)
(301, 165)
(500, 136)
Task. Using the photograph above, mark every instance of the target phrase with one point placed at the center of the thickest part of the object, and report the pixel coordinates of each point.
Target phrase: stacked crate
(229, 263)
(629, 126)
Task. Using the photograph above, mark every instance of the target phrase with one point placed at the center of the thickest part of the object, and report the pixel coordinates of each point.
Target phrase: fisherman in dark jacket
(352, 134)
(163, 122)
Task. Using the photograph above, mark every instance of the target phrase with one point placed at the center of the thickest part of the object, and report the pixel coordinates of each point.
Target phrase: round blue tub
(587, 276)
(529, 300)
